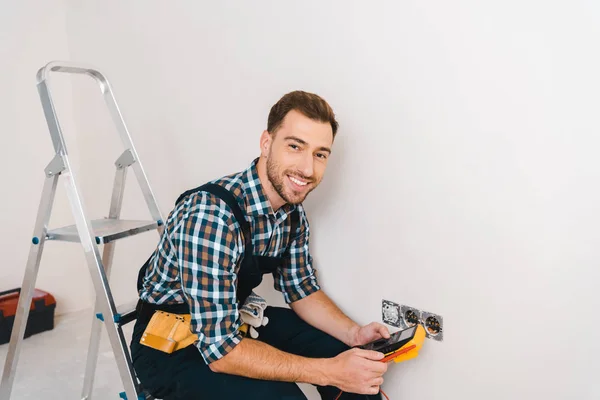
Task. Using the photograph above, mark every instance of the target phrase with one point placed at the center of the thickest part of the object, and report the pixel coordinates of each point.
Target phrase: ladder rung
(127, 313)
(105, 230)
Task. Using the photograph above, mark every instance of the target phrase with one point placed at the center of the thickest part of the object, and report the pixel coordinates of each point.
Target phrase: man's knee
(331, 347)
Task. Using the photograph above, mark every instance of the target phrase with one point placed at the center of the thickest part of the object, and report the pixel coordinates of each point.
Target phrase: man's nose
(306, 165)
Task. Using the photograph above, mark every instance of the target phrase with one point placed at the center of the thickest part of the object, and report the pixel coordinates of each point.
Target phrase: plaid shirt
(199, 254)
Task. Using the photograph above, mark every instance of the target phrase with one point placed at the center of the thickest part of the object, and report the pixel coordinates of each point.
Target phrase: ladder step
(106, 230)
(127, 313)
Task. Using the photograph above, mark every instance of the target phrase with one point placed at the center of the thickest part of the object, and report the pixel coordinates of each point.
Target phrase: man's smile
(298, 183)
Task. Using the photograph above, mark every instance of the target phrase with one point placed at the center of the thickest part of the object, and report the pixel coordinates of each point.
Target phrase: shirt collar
(257, 202)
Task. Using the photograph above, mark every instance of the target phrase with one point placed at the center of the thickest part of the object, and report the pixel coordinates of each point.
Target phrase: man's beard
(276, 180)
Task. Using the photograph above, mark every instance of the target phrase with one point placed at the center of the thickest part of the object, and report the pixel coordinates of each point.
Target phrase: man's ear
(265, 143)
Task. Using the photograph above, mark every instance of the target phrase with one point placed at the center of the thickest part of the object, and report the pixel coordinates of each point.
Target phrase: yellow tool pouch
(168, 332)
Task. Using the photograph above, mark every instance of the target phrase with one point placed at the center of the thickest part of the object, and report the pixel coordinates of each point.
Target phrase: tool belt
(168, 331)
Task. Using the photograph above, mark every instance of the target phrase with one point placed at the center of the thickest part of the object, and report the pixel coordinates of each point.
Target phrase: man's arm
(258, 360)
(354, 371)
(297, 280)
(320, 311)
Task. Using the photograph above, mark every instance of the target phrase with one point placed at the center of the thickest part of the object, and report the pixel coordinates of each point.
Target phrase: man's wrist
(352, 334)
(320, 374)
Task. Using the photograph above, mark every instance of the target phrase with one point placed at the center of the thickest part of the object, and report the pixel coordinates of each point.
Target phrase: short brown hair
(309, 104)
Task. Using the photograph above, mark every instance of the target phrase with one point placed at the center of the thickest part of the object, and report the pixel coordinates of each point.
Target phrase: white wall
(33, 33)
(463, 180)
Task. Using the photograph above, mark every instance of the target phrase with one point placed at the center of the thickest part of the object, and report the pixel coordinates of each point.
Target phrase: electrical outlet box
(390, 313)
(404, 317)
(434, 325)
(409, 316)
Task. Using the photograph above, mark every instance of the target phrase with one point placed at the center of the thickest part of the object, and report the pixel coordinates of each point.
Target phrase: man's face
(297, 156)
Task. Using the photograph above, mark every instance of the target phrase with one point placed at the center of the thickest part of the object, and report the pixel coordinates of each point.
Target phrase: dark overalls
(183, 375)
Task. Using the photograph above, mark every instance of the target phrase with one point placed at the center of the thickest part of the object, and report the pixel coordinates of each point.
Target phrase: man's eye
(322, 156)
(293, 146)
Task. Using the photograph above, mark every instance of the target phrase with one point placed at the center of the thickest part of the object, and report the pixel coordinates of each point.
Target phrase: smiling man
(218, 242)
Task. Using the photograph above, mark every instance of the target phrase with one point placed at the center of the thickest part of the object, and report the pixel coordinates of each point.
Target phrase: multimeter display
(396, 341)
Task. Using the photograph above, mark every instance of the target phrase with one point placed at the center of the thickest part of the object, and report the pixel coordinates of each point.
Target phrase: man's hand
(368, 333)
(357, 371)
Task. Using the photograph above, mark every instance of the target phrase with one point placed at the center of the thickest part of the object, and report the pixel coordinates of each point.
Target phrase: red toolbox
(41, 314)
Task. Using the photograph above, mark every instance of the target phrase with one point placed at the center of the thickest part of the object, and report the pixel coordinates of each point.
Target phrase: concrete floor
(52, 363)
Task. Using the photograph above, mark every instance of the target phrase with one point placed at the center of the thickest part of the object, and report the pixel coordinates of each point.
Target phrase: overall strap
(230, 200)
(270, 264)
(295, 219)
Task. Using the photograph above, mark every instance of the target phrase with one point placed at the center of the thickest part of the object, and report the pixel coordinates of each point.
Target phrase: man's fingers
(373, 390)
(369, 390)
(377, 381)
(381, 329)
(379, 368)
(370, 354)
(384, 331)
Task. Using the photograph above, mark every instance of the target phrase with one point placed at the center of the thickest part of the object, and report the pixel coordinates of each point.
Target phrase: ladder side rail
(106, 303)
(29, 279)
(83, 224)
(107, 259)
(84, 228)
(113, 108)
(128, 143)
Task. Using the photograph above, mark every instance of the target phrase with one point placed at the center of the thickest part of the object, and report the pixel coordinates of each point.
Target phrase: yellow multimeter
(401, 346)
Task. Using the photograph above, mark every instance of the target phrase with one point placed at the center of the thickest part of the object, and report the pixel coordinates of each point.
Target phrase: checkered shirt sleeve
(206, 244)
(296, 278)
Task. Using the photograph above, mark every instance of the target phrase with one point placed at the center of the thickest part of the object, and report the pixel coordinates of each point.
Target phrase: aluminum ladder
(90, 233)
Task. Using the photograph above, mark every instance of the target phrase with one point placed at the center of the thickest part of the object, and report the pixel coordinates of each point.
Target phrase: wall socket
(403, 316)
(390, 313)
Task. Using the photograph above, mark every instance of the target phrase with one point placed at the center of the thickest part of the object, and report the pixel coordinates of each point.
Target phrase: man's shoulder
(206, 202)
(233, 183)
